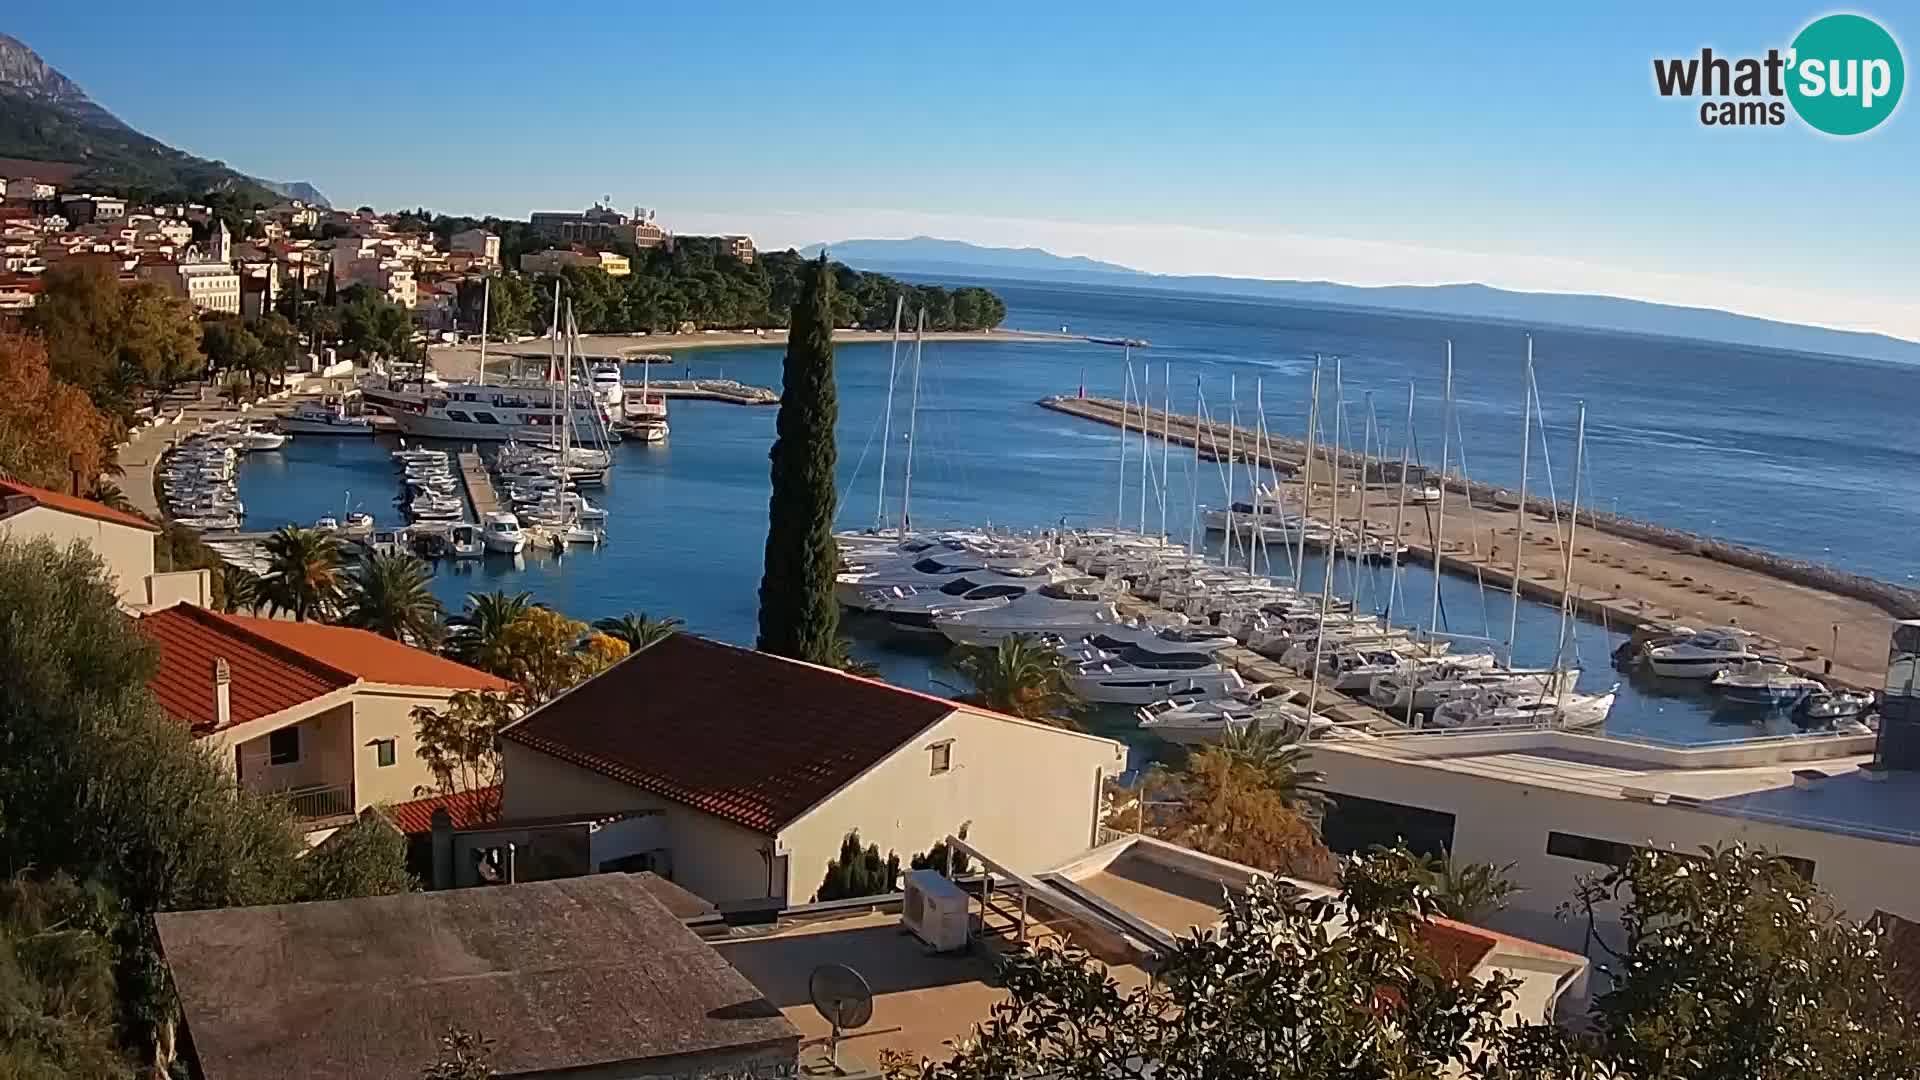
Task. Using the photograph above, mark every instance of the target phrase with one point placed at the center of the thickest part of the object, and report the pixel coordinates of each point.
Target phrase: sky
(1519, 145)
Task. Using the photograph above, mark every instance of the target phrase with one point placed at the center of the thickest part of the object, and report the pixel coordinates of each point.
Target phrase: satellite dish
(841, 995)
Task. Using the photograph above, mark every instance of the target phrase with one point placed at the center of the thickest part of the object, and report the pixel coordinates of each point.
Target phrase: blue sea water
(1808, 456)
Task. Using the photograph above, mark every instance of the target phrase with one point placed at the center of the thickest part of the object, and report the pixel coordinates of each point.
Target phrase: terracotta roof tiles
(466, 808)
(751, 738)
(73, 504)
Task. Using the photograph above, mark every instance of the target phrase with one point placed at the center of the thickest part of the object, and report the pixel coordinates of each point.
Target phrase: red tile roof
(467, 809)
(277, 665)
(748, 737)
(1455, 946)
(72, 504)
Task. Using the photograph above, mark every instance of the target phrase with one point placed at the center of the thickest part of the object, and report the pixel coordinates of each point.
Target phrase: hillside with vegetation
(696, 284)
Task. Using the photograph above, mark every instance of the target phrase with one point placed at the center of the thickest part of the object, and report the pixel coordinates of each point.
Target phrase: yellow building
(554, 260)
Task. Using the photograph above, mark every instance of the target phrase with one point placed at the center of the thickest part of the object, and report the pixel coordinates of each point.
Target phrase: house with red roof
(320, 714)
(755, 768)
(123, 541)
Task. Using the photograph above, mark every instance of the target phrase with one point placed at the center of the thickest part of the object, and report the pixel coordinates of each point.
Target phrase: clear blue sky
(1466, 145)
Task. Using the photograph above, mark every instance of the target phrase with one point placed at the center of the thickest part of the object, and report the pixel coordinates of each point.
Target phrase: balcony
(316, 803)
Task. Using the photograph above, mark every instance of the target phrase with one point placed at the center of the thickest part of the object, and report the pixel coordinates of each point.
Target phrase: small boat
(263, 439)
(1577, 712)
(501, 533)
(210, 523)
(318, 418)
(358, 524)
(386, 541)
(1822, 708)
(1141, 678)
(1426, 493)
(466, 541)
(327, 524)
(1702, 656)
(1765, 683)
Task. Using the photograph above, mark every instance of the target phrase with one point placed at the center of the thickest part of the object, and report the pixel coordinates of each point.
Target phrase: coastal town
(450, 647)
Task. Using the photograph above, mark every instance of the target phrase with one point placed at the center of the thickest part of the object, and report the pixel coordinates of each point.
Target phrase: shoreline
(462, 361)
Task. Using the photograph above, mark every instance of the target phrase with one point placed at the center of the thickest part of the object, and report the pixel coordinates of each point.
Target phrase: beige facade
(557, 259)
(478, 242)
(207, 286)
(1029, 791)
(127, 551)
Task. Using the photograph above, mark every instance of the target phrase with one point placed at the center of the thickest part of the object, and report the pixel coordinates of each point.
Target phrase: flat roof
(570, 974)
(1752, 779)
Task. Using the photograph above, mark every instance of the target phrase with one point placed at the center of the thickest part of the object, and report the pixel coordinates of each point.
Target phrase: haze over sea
(1811, 456)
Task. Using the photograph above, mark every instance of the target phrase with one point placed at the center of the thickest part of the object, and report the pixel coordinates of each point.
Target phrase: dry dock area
(1621, 576)
(473, 474)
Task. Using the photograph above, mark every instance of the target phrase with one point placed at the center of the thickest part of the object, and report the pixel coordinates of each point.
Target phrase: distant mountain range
(47, 117)
(929, 257)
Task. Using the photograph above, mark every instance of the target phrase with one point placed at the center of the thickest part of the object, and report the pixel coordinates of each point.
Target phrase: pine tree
(799, 616)
(333, 290)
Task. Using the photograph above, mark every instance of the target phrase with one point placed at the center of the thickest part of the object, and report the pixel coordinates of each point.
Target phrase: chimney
(222, 699)
(73, 475)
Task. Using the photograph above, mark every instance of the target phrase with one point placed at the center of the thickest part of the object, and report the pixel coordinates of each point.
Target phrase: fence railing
(317, 801)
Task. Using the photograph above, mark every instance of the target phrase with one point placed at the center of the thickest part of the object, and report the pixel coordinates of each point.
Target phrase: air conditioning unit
(935, 911)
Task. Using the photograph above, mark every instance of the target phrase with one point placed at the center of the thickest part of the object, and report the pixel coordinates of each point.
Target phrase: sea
(1810, 456)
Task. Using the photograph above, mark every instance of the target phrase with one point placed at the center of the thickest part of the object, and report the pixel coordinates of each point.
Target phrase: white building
(477, 242)
(28, 189)
(122, 541)
(1559, 806)
(751, 769)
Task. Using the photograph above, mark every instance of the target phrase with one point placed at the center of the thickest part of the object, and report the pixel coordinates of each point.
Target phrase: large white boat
(1139, 677)
(321, 418)
(1069, 610)
(501, 533)
(1701, 656)
(491, 412)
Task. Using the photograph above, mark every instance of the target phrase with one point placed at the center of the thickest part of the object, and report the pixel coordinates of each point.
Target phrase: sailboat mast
(1566, 569)
(1233, 425)
(1254, 539)
(1166, 447)
(1520, 515)
(1193, 481)
(486, 295)
(1333, 542)
(913, 424)
(1400, 504)
(1306, 483)
(886, 434)
(1440, 513)
(1126, 398)
(1146, 452)
(1366, 461)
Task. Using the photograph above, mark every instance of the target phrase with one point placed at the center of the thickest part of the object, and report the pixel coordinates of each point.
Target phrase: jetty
(727, 390)
(479, 485)
(1625, 574)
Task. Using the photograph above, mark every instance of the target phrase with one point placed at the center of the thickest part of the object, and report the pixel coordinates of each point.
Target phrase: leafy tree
(108, 339)
(371, 323)
(1279, 760)
(48, 429)
(1470, 891)
(303, 575)
(1288, 988)
(332, 296)
(230, 346)
(368, 857)
(57, 990)
(1020, 678)
(1244, 805)
(799, 616)
(476, 631)
(859, 873)
(542, 652)
(1731, 965)
(463, 1056)
(97, 782)
(460, 743)
(638, 630)
(844, 660)
(389, 595)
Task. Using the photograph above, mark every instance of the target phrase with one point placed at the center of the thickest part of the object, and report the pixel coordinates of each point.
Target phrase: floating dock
(479, 485)
(1625, 573)
(727, 390)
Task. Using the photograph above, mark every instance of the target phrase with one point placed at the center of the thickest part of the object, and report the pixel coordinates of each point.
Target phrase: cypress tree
(333, 290)
(799, 616)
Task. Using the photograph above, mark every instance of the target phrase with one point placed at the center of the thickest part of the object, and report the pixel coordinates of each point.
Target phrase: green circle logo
(1845, 74)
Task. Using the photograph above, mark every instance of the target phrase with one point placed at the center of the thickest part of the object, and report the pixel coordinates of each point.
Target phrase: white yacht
(1577, 712)
(1764, 683)
(1424, 689)
(861, 589)
(501, 533)
(263, 439)
(490, 412)
(1702, 656)
(609, 386)
(357, 524)
(1196, 719)
(321, 418)
(466, 541)
(1065, 609)
(1138, 677)
(911, 610)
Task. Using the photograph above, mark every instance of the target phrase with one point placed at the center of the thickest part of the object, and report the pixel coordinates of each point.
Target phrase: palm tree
(303, 572)
(1021, 679)
(638, 630)
(108, 494)
(388, 595)
(1278, 758)
(475, 629)
(239, 589)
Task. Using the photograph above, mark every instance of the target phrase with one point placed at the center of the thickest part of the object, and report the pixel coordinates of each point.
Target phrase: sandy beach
(462, 361)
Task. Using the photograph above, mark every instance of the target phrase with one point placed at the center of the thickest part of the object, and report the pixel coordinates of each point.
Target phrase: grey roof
(589, 971)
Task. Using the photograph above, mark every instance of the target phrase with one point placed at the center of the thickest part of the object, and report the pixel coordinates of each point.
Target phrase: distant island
(924, 256)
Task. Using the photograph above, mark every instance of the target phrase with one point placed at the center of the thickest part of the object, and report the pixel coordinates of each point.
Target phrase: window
(383, 752)
(485, 418)
(1614, 853)
(283, 746)
(456, 414)
(1355, 824)
(942, 757)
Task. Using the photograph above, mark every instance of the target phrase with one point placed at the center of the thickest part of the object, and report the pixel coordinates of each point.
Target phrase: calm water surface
(1810, 456)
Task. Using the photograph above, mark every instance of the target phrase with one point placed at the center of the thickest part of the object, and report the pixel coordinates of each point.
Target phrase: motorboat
(1198, 719)
(328, 523)
(1424, 494)
(466, 541)
(264, 439)
(321, 418)
(501, 533)
(1422, 690)
(861, 589)
(1497, 709)
(1702, 656)
(386, 541)
(1065, 609)
(433, 508)
(1822, 708)
(357, 524)
(1139, 678)
(210, 522)
(1179, 637)
(577, 505)
(911, 610)
(1764, 683)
